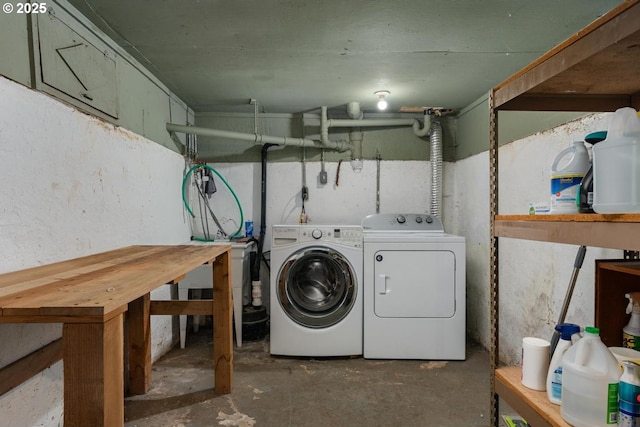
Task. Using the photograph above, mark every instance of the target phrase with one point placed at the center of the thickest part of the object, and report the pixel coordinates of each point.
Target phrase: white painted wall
(534, 276)
(73, 185)
(404, 187)
(468, 202)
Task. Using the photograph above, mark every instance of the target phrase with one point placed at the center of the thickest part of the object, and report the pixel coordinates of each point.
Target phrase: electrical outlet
(322, 177)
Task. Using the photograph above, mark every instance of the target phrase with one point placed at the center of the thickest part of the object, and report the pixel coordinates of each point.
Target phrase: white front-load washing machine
(316, 290)
(414, 289)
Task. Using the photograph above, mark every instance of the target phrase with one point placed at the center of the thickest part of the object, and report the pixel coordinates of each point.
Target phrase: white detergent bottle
(554, 375)
(567, 171)
(631, 332)
(590, 374)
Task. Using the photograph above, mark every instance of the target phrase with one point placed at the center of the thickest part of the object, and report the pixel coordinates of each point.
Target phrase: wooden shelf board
(610, 231)
(590, 71)
(533, 406)
(626, 266)
(572, 218)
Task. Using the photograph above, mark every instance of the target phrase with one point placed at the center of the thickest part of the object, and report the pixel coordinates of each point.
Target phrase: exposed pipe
(258, 138)
(353, 110)
(255, 268)
(347, 123)
(436, 168)
(378, 159)
(426, 126)
(356, 137)
(324, 131)
(325, 123)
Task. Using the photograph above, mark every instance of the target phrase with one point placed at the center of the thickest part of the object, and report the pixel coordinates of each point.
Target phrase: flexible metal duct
(435, 138)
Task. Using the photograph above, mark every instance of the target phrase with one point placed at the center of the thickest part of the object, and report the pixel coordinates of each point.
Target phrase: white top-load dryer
(414, 289)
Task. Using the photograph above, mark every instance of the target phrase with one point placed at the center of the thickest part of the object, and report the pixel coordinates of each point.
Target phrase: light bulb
(382, 101)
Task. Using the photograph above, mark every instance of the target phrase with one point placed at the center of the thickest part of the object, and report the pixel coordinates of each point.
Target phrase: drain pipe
(347, 123)
(259, 138)
(356, 136)
(325, 123)
(426, 126)
(353, 110)
(256, 292)
(418, 128)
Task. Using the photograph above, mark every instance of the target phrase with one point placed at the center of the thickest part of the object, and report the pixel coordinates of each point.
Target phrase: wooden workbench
(91, 295)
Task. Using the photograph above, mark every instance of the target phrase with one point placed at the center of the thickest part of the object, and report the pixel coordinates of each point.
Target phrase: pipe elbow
(353, 110)
(423, 130)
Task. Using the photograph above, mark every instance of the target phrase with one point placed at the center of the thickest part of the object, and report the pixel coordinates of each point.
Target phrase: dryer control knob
(316, 234)
(429, 220)
(418, 219)
(401, 219)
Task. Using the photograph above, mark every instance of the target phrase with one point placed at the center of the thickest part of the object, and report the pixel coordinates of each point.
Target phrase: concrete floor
(280, 392)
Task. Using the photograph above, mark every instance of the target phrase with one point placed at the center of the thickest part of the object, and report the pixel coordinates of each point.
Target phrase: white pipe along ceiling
(420, 129)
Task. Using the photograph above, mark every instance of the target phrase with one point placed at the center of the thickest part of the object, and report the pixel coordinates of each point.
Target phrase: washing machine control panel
(350, 235)
(402, 222)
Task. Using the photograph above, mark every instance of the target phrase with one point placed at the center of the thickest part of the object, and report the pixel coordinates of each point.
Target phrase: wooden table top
(97, 287)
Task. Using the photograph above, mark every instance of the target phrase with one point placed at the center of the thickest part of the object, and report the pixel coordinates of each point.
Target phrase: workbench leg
(93, 381)
(140, 345)
(222, 324)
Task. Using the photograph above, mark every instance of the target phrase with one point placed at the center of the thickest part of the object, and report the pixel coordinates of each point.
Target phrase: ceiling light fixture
(382, 101)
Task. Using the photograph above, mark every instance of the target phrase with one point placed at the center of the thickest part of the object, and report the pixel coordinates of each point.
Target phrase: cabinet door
(414, 283)
(82, 69)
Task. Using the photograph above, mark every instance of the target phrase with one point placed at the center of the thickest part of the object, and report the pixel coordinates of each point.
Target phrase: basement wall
(404, 187)
(534, 276)
(74, 185)
(138, 101)
(532, 287)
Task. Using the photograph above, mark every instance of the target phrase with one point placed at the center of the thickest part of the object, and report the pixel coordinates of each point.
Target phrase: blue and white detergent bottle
(629, 393)
(554, 375)
(567, 171)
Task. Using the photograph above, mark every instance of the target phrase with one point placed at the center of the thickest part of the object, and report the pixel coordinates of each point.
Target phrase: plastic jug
(567, 171)
(554, 375)
(590, 375)
(616, 165)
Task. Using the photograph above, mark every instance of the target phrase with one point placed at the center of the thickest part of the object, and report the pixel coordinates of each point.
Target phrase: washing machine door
(317, 287)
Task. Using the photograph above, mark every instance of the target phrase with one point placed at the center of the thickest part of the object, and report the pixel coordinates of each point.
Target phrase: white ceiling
(297, 55)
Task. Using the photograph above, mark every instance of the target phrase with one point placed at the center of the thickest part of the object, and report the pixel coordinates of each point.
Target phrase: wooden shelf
(614, 279)
(629, 267)
(619, 231)
(591, 71)
(597, 69)
(533, 406)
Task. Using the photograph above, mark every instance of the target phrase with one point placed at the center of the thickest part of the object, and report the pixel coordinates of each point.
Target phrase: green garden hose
(186, 203)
